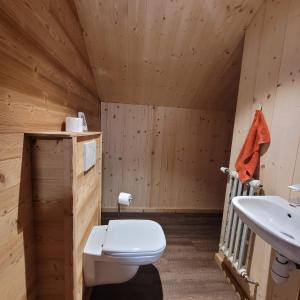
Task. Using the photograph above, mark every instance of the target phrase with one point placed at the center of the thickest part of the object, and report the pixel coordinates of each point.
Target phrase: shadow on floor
(146, 284)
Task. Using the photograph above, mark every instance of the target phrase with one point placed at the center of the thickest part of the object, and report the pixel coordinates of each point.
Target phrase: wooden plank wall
(86, 206)
(44, 68)
(44, 76)
(168, 158)
(17, 264)
(66, 206)
(271, 76)
(49, 173)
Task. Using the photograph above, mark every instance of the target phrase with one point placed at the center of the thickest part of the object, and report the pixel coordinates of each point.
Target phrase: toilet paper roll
(125, 199)
(74, 124)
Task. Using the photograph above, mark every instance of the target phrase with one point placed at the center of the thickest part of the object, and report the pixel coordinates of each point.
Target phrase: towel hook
(260, 106)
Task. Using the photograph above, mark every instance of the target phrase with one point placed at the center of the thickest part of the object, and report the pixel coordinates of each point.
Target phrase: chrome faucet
(294, 188)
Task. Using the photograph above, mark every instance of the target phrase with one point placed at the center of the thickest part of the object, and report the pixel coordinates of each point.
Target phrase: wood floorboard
(187, 270)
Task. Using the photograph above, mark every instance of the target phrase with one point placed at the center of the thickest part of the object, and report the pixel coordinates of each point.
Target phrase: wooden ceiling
(184, 53)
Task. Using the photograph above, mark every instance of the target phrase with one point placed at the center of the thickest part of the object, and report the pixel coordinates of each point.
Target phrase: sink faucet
(294, 188)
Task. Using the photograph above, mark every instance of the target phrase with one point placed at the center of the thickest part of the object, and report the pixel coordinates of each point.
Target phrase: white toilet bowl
(114, 252)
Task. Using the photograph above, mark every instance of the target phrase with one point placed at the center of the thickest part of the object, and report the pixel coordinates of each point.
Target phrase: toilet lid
(133, 236)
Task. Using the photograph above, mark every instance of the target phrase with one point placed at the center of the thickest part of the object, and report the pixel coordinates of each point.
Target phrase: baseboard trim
(163, 210)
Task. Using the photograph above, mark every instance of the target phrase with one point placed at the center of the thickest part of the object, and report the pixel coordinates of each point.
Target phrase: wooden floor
(187, 269)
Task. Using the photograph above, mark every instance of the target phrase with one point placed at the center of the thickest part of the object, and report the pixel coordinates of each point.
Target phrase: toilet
(114, 252)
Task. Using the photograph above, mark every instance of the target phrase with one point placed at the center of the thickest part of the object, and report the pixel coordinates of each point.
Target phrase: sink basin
(274, 220)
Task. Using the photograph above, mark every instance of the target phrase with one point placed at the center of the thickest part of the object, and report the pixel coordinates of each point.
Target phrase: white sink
(274, 220)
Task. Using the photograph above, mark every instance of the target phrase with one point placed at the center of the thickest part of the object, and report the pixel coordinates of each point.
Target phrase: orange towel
(249, 156)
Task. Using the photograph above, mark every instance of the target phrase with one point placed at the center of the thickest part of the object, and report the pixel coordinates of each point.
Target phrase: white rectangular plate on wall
(89, 155)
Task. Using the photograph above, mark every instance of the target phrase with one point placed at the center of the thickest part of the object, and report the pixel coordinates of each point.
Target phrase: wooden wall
(44, 76)
(168, 158)
(87, 191)
(271, 76)
(66, 202)
(44, 68)
(51, 164)
(17, 263)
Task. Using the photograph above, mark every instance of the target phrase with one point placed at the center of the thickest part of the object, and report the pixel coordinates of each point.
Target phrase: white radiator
(235, 235)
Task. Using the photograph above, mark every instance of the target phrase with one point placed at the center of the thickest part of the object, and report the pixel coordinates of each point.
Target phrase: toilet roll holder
(119, 204)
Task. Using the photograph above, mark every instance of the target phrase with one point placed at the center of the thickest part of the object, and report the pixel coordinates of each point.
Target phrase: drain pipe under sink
(281, 268)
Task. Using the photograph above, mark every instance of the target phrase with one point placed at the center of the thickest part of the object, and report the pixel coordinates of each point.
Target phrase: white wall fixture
(113, 253)
(277, 222)
(89, 155)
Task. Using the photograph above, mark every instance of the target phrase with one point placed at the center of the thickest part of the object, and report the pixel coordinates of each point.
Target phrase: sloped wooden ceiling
(184, 53)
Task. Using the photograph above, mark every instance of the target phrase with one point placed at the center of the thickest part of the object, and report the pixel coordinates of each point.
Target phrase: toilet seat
(114, 252)
(126, 238)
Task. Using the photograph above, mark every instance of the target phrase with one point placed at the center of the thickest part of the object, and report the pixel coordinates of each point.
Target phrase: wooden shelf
(63, 134)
